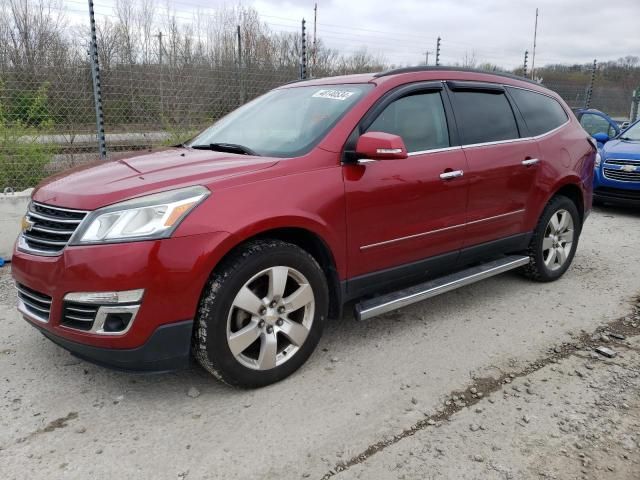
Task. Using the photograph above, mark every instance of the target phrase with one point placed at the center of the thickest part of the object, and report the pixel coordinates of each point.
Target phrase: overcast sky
(496, 31)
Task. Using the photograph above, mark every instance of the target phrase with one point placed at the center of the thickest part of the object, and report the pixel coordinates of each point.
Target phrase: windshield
(632, 133)
(283, 123)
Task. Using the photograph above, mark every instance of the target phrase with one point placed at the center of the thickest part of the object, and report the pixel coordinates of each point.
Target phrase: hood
(103, 183)
(622, 148)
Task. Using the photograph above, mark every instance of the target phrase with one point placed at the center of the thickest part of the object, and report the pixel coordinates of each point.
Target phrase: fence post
(97, 92)
(303, 52)
(240, 79)
(635, 100)
(587, 101)
(438, 52)
(160, 48)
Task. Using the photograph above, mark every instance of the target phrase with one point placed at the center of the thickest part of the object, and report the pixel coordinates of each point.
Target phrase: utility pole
(426, 60)
(438, 52)
(587, 101)
(315, 40)
(533, 56)
(97, 91)
(524, 69)
(303, 52)
(240, 79)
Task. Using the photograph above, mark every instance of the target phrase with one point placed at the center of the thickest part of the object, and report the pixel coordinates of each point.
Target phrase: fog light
(116, 322)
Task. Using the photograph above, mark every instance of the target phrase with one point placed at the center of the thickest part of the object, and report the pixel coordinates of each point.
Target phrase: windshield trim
(367, 87)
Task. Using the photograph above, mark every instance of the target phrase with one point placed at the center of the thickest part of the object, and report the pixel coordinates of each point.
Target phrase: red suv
(235, 247)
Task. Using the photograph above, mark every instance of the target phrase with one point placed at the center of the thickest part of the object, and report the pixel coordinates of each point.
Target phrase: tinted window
(484, 117)
(596, 124)
(541, 113)
(418, 119)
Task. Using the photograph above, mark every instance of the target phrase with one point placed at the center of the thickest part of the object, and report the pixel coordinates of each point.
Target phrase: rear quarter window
(540, 112)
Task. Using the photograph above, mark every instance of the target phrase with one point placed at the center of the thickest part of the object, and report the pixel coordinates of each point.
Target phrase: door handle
(451, 174)
(530, 162)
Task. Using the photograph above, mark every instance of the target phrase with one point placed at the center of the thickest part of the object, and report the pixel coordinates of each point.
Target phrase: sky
(494, 31)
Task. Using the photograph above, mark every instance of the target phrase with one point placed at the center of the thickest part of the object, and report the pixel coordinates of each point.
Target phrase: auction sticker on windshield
(333, 94)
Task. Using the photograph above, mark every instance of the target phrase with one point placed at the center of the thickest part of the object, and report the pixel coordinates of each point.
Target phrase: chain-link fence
(615, 100)
(163, 105)
(160, 90)
(48, 122)
(47, 116)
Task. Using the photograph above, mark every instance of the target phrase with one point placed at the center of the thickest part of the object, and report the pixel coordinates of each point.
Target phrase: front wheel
(262, 314)
(554, 240)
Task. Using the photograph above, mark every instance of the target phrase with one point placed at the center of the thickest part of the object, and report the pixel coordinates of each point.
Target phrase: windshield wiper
(626, 138)
(226, 147)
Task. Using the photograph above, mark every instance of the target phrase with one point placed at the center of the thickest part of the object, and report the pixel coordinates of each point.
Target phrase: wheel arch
(574, 193)
(307, 239)
(569, 187)
(315, 245)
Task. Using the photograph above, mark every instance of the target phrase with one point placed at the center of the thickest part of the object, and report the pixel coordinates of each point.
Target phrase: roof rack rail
(424, 68)
(298, 80)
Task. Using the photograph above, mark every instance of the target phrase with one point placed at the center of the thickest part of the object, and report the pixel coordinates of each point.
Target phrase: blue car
(594, 121)
(617, 169)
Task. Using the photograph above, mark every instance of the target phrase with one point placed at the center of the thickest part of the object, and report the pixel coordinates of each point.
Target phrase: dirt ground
(496, 380)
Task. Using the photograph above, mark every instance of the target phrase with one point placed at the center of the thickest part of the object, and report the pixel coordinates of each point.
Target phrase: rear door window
(484, 116)
(419, 119)
(540, 112)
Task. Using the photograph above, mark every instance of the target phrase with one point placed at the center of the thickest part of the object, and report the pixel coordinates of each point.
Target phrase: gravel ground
(372, 401)
(575, 418)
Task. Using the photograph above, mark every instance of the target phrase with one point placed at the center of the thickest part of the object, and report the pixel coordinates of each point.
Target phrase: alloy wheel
(558, 240)
(270, 318)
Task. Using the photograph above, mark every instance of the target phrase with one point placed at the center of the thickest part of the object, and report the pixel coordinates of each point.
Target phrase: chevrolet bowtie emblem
(26, 224)
(629, 168)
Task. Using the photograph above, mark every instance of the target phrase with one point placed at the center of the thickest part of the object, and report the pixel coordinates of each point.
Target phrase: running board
(392, 301)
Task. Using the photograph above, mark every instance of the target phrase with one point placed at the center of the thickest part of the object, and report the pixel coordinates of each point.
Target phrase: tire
(261, 315)
(554, 240)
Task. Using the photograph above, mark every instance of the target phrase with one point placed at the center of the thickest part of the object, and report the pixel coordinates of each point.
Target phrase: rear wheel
(554, 240)
(262, 314)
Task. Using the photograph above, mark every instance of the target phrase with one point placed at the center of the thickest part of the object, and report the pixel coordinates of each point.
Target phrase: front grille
(51, 228)
(622, 161)
(79, 315)
(621, 175)
(36, 303)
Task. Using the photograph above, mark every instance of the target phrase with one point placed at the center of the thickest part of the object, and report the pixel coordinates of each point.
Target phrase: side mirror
(601, 137)
(381, 146)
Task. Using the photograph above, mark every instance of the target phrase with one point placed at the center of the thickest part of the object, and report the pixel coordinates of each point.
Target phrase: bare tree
(469, 60)
(33, 33)
(361, 61)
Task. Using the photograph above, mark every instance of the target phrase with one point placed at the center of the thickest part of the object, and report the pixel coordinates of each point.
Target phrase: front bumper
(167, 349)
(172, 273)
(615, 191)
(617, 196)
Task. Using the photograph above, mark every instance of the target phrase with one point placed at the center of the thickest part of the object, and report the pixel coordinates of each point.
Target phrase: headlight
(598, 160)
(144, 218)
